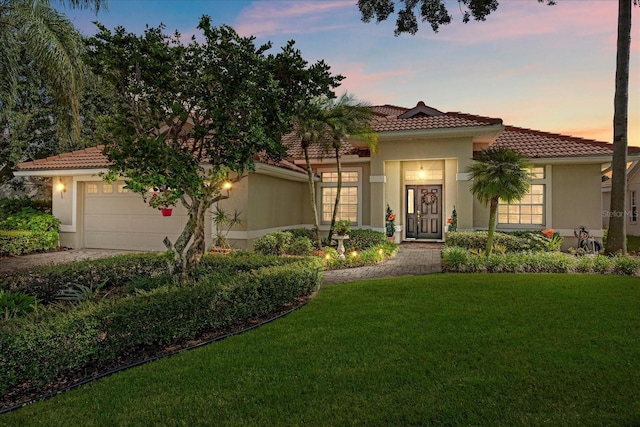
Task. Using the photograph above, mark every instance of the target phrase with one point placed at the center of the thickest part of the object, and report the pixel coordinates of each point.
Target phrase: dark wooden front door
(424, 206)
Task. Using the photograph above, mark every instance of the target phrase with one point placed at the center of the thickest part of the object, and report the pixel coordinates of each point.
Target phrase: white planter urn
(340, 238)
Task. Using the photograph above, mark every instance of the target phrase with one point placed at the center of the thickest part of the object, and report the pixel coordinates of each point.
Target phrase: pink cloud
(264, 18)
(370, 87)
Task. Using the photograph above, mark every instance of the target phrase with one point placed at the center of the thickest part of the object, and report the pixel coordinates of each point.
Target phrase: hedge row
(24, 242)
(461, 260)
(39, 349)
(44, 282)
(511, 242)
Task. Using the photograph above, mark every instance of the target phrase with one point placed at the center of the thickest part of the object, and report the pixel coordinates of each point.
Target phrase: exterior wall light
(61, 188)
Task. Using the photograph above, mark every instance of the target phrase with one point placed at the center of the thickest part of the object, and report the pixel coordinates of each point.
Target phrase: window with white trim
(530, 209)
(350, 194)
(92, 188)
(633, 205)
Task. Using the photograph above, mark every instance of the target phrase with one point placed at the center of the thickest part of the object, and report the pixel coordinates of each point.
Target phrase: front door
(424, 207)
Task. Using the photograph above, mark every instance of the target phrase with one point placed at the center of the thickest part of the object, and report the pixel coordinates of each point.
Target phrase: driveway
(12, 264)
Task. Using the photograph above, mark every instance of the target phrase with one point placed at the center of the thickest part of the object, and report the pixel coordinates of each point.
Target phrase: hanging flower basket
(166, 211)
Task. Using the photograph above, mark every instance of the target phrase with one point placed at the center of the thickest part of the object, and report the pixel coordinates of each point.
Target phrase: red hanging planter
(166, 211)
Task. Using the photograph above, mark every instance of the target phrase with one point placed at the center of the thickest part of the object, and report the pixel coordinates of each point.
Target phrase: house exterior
(633, 197)
(418, 170)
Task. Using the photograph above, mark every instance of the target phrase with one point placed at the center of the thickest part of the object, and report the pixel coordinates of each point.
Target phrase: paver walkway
(412, 258)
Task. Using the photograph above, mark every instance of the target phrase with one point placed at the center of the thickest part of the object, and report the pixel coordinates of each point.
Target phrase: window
(423, 175)
(107, 188)
(121, 188)
(633, 204)
(528, 210)
(349, 207)
(92, 188)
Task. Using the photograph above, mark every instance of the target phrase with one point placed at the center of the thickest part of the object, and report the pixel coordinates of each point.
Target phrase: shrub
(626, 265)
(40, 349)
(10, 206)
(354, 258)
(275, 243)
(363, 239)
(23, 242)
(30, 219)
(455, 259)
(300, 246)
(46, 281)
(518, 241)
(14, 304)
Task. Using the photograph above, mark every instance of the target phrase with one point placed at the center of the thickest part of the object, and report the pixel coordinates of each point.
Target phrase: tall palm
(498, 173)
(310, 127)
(347, 117)
(53, 45)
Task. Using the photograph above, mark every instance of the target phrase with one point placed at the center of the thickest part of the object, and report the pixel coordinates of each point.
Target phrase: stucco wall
(453, 154)
(576, 197)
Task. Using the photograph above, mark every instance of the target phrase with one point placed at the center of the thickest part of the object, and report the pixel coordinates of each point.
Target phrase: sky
(549, 68)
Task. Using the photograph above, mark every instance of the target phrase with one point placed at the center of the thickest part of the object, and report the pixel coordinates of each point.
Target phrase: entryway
(424, 212)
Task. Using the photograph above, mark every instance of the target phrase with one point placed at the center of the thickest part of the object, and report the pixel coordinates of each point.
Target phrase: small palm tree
(498, 174)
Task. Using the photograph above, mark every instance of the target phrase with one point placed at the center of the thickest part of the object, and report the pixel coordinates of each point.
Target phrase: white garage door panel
(124, 221)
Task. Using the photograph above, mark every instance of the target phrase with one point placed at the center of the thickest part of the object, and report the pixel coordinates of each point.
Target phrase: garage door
(115, 218)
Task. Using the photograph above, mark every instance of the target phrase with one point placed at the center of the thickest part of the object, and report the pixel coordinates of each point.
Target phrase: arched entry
(424, 212)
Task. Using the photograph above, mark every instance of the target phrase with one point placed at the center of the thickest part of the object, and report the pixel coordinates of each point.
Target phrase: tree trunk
(338, 191)
(190, 246)
(493, 210)
(617, 235)
(312, 193)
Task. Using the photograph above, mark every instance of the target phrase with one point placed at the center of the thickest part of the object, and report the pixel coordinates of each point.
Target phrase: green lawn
(440, 349)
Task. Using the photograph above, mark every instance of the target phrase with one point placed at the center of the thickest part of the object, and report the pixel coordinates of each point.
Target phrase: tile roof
(387, 118)
(443, 121)
(88, 158)
(535, 144)
(92, 158)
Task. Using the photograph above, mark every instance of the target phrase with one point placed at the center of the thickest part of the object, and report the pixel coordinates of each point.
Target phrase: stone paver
(412, 259)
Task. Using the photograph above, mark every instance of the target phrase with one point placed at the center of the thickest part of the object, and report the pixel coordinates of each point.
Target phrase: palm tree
(347, 117)
(55, 47)
(310, 127)
(498, 174)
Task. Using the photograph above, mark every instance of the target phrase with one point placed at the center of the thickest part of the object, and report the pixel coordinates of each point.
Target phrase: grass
(441, 349)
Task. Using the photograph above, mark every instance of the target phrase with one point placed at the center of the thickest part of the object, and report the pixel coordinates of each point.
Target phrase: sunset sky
(550, 68)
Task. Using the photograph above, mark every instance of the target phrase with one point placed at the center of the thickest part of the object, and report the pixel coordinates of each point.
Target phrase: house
(633, 193)
(419, 171)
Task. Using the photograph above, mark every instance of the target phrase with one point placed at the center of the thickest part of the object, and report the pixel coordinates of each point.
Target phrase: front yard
(444, 349)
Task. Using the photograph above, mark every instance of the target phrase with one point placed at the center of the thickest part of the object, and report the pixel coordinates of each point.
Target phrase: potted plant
(161, 202)
(342, 227)
(390, 224)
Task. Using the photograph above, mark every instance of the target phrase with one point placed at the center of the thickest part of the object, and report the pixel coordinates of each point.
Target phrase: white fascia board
(576, 160)
(278, 172)
(471, 131)
(352, 158)
(60, 172)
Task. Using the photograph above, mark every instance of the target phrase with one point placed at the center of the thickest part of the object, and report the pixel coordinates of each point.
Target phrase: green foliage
(25, 242)
(359, 258)
(498, 173)
(46, 281)
(363, 239)
(14, 205)
(390, 218)
(300, 246)
(626, 265)
(218, 84)
(79, 292)
(462, 260)
(275, 243)
(15, 304)
(342, 227)
(39, 349)
(512, 241)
